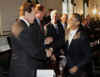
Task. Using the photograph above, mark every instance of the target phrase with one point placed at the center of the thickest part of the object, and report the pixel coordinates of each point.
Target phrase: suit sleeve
(57, 43)
(25, 40)
(86, 51)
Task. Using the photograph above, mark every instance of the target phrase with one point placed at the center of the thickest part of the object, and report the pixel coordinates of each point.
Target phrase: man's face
(31, 16)
(40, 14)
(55, 17)
(73, 22)
(64, 18)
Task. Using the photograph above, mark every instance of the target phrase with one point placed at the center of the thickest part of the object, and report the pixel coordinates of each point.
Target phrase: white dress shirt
(63, 25)
(23, 19)
(71, 35)
(38, 21)
(55, 26)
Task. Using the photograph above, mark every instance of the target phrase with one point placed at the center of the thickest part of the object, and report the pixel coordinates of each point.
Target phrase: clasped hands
(48, 40)
(74, 69)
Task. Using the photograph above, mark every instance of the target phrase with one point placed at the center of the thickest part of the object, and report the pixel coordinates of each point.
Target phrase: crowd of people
(40, 39)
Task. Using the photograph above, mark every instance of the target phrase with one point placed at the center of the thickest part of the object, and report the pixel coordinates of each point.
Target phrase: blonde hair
(53, 13)
(67, 30)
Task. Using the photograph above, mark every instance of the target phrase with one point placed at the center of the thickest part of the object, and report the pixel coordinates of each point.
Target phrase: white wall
(8, 13)
(52, 4)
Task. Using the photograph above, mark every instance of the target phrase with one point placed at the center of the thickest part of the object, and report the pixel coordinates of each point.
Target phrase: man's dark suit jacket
(78, 52)
(27, 53)
(58, 36)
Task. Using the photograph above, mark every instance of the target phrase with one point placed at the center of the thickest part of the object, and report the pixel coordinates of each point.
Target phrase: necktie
(57, 29)
(40, 27)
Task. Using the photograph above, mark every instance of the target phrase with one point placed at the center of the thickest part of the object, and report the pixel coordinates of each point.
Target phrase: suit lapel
(40, 27)
(24, 24)
(75, 37)
(55, 30)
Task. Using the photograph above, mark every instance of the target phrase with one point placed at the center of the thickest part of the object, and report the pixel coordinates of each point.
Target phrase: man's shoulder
(17, 28)
(83, 35)
(18, 23)
(49, 25)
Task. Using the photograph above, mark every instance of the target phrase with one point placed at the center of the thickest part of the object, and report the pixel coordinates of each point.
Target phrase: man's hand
(48, 40)
(48, 52)
(73, 69)
(53, 57)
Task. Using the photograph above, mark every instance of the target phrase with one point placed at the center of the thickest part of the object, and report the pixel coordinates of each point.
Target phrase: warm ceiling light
(94, 11)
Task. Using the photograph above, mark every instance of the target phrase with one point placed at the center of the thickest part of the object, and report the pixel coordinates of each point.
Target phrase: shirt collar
(73, 31)
(22, 18)
(55, 25)
(38, 21)
(63, 25)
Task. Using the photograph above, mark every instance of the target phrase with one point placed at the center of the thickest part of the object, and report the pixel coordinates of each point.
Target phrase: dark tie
(57, 29)
(40, 27)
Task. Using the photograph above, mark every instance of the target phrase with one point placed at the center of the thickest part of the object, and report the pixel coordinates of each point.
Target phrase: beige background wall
(9, 9)
(54, 4)
(8, 13)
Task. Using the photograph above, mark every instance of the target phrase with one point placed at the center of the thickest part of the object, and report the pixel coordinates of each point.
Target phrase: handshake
(49, 54)
(48, 51)
(48, 40)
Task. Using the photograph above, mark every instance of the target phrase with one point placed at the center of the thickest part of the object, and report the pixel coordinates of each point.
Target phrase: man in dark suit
(55, 30)
(64, 18)
(40, 12)
(77, 50)
(27, 53)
